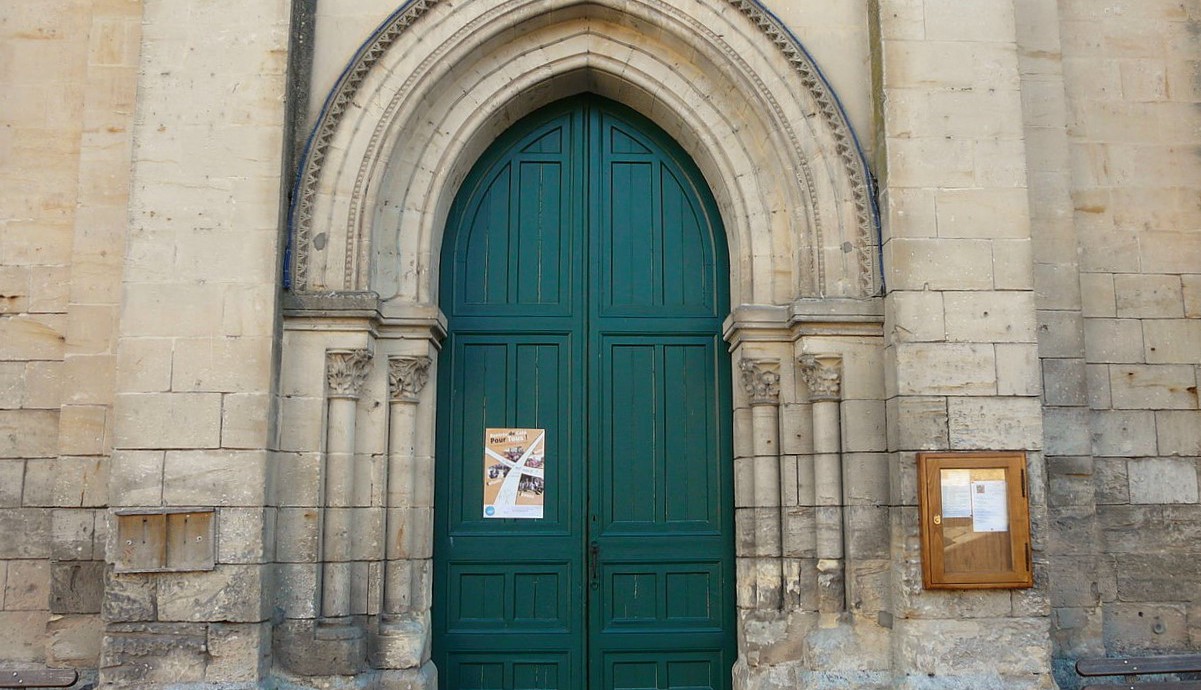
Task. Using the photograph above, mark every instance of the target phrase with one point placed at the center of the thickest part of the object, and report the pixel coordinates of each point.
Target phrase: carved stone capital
(823, 376)
(407, 376)
(345, 371)
(761, 380)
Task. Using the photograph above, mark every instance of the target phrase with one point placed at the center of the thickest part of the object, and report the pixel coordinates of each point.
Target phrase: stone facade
(953, 226)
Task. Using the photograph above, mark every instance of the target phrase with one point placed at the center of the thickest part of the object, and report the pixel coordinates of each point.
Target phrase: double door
(584, 280)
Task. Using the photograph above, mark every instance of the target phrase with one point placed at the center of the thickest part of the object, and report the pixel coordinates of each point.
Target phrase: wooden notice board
(975, 520)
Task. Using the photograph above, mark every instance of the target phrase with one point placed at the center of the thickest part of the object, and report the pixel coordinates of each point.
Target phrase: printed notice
(990, 506)
(956, 493)
(514, 466)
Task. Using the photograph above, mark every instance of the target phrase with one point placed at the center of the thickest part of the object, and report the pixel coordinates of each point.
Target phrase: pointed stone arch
(438, 81)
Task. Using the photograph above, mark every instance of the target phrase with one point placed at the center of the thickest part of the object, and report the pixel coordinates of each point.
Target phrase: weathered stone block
(244, 418)
(28, 433)
(945, 369)
(1073, 530)
(12, 473)
(1173, 341)
(74, 641)
(863, 426)
(299, 649)
(1064, 382)
(231, 593)
(1099, 295)
(1191, 286)
(800, 536)
(1123, 433)
(238, 653)
(994, 317)
(1143, 529)
(968, 653)
(244, 535)
(297, 478)
(129, 598)
(231, 365)
(1066, 431)
(1130, 628)
(936, 264)
(1178, 432)
(153, 653)
(1114, 340)
(1070, 481)
(1142, 296)
(214, 477)
(145, 364)
(867, 533)
(24, 636)
(1162, 480)
(76, 587)
(1159, 577)
(1112, 482)
(865, 478)
(983, 423)
(918, 423)
(295, 589)
(1060, 333)
(1158, 386)
(136, 478)
(913, 316)
(28, 585)
(297, 532)
(168, 420)
(25, 533)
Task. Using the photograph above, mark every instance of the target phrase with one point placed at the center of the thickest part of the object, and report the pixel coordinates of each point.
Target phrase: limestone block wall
(962, 366)
(196, 337)
(1112, 92)
(68, 74)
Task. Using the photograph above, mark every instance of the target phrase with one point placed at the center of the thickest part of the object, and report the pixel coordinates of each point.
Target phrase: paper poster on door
(514, 466)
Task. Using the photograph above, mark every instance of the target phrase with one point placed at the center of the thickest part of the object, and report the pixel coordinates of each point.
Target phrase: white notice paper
(956, 493)
(990, 506)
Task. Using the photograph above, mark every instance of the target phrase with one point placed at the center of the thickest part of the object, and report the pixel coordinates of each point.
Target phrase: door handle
(593, 561)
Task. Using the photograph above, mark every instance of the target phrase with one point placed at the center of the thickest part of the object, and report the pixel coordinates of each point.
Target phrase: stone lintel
(805, 317)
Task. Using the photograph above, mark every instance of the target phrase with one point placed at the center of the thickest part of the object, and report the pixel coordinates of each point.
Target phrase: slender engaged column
(407, 377)
(345, 372)
(823, 374)
(401, 629)
(761, 379)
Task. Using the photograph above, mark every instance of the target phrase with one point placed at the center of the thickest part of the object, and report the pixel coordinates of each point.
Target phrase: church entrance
(584, 488)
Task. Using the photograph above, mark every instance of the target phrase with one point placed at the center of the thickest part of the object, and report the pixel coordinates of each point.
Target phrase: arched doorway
(584, 277)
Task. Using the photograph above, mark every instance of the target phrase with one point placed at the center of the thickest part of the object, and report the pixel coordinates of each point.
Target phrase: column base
(401, 643)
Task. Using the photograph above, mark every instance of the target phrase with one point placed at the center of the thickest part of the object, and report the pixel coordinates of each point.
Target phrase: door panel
(582, 275)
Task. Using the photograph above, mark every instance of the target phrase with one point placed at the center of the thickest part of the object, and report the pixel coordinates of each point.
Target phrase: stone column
(345, 372)
(823, 376)
(761, 379)
(401, 630)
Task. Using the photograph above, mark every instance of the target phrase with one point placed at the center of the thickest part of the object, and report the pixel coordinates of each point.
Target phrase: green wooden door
(584, 277)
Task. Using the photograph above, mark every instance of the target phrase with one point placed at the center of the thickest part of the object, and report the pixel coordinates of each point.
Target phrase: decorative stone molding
(413, 105)
(345, 372)
(761, 380)
(407, 376)
(823, 376)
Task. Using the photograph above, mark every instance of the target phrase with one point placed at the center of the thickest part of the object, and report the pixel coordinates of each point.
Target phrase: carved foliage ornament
(407, 376)
(823, 376)
(345, 371)
(761, 379)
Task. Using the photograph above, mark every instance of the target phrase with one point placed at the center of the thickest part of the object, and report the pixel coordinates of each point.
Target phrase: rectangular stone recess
(161, 541)
(975, 520)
